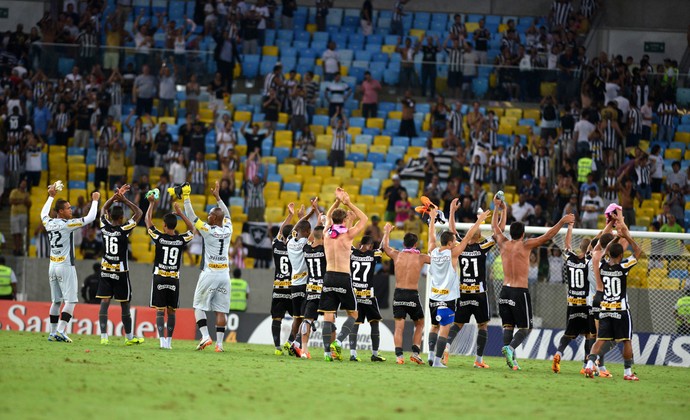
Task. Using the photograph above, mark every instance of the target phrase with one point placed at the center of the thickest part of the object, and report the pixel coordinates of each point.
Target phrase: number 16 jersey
(169, 251)
(116, 244)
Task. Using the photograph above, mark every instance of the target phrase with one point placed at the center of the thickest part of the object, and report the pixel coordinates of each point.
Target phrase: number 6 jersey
(169, 251)
(116, 243)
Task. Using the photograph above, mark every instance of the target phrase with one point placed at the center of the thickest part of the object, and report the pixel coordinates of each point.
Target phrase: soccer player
(445, 289)
(337, 291)
(408, 267)
(212, 292)
(165, 289)
(615, 322)
(473, 298)
(300, 273)
(580, 315)
(61, 271)
(514, 303)
(281, 300)
(362, 268)
(316, 261)
(114, 282)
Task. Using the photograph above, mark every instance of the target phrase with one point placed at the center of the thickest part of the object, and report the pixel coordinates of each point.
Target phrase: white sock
(590, 364)
(168, 341)
(204, 332)
(53, 328)
(353, 352)
(104, 336)
(479, 359)
(559, 353)
(129, 336)
(375, 352)
(163, 342)
(219, 338)
(296, 344)
(602, 368)
(326, 354)
(61, 326)
(628, 371)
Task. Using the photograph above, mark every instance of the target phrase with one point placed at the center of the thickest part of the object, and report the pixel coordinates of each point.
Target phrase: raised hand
(315, 204)
(454, 205)
(568, 218)
(95, 196)
(301, 212)
(483, 216)
(291, 209)
(152, 198)
(339, 194)
(51, 190)
(216, 190)
(432, 214)
(176, 206)
(124, 189)
(498, 204)
(388, 228)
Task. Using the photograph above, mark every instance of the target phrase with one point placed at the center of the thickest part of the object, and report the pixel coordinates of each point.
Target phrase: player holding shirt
(61, 271)
(114, 282)
(445, 287)
(615, 322)
(213, 288)
(362, 268)
(165, 289)
(580, 315)
(315, 255)
(473, 298)
(281, 300)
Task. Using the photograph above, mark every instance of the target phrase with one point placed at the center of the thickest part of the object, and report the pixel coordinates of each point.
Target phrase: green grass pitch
(86, 380)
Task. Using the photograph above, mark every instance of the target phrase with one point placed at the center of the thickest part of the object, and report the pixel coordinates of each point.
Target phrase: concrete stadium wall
(630, 42)
(26, 12)
(645, 14)
(487, 7)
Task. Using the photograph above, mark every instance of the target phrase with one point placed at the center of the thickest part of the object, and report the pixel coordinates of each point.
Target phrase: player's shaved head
(216, 216)
(615, 251)
(517, 230)
(447, 237)
(584, 245)
(410, 240)
(170, 221)
(606, 239)
(318, 233)
(286, 230)
(303, 228)
(117, 213)
(338, 216)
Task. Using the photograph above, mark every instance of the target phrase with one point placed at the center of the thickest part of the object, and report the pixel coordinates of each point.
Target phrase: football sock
(220, 333)
(103, 317)
(54, 316)
(454, 330)
(482, 337)
(398, 352)
(519, 337)
(127, 320)
(433, 337)
(275, 330)
(591, 360)
(589, 342)
(160, 323)
(353, 339)
(416, 350)
(605, 348)
(64, 321)
(171, 326)
(564, 343)
(201, 323)
(375, 337)
(441, 346)
(347, 327)
(291, 337)
(507, 336)
(627, 364)
(326, 335)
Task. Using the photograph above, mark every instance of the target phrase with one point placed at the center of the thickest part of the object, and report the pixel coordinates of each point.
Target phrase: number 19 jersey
(169, 251)
(116, 244)
(216, 243)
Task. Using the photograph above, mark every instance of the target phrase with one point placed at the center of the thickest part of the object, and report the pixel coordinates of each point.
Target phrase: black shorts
(310, 308)
(367, 310)
(435, 304)
(281, 303)
(615, 325)
(469, 304)
(515, 307)
(298, 294)
(114, 285)
(165, 292)
(596, 303)
(580, 321)
(337, 293)
(454, 79)
(406, 302)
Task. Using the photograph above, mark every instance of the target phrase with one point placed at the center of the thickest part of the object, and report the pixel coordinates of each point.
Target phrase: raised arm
(288, 219)
(460, 248)
(624, 233)
(497, 226)
(451, 216)
(392, 253)
(362, 218)
(93, 211)
(45, 211)
(607, 229)
(149, 212)
(569, 237)
(541, 240)
(106, 206)
(133, 207)
(329, 220)
(216, 193)
(432, 230)
(185, 219)
(189, 209)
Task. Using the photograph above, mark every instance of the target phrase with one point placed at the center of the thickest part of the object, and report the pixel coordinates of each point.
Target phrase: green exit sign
(4, 12)
(654, 47)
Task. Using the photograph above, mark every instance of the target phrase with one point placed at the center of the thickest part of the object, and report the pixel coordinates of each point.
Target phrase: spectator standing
(254, 138)
(469, 68)
(226, 55)
(370, 89)
(143, 91)
(366, 20)
(393, 194)
(667, 112)
(20, 202)
(254, 188)
(91, 248)
(161, 144)
(117, 169)
(397, 19)
(340, 124)
(331, 62)
(407, 126)
(322, 7)
(429, 51)
(250, 33)
(454, 67)
(336, 94)
(198, 173)
(311, 88)
(287, 13)
(166, 91)
(8, 281)
(407, 71)
(33, 161)
(178, 171)
(142, 155)
(63, 121)
(84, 111)
(42, 117)
(676, 176)
(481, 38)
(306, 142)
(646, 112)
(671, 226)
(192, 97)
(592, 206)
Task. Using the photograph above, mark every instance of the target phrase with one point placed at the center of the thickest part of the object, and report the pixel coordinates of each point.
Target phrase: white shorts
(63, 283)
(212, 292)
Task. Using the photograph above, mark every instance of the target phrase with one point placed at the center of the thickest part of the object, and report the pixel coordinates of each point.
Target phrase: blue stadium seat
(320, 37)
(77, 185)
(357, 122)
(322, 120)
(75, 151)
(364, 139)
(355, 157)
(274, 178)
(384, 166)
(375, 157)
(292, 186)
(401, 141)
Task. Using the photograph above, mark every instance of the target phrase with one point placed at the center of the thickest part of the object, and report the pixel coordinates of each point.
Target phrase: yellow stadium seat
(547, 89)
(323, 171)
(351, 184)
(361, 173)
(375, 123)
(419, 33)
(395, 115)
(359, 148)
(378, 149)
(271, 195)
(364, 165)
(344, 70)
(286, 169)
(311, 189)
(388, 49)
(342, 172)
(305, 171)
(289, 196)
(658, 196)
(270, 50)
(318, 129)
(437, 142)
(274, 214)
(643, 221)
(243, 116)
(328, 188)
(382, 141)
(654, 204)
(645, 212)
(523, 130)
(354, 131)
(505, 129)
(333, 180)
(311, 28)
(298, 179)
(414, 150)
(282, 118)
(682, 137)
(349, 164)
(283, 136)
(74, 194)
(470, 27)
(75, 159)
(499, 112)
(324, 141)
(269, 159)
(674, 154)
(514, 112)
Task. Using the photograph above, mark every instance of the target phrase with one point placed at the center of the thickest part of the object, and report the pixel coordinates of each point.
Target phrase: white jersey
(445, 285)
(61, 237)
(216, 240)
(300, 271)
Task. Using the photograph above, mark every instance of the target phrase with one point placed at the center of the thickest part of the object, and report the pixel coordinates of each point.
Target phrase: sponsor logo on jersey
(166, 286)
(468, 303)
(297, 295)
(299, 275)
(470, 288)
(221, 290)
(105, 265)
(615, 315)
(57, 259)
(112, 276)
(405, 303)
(438, 304)
(163, 273)
(74, 224)
(577, 301)
(440, 291)
(312, 287)
(582, 315)
(611, 306)
(363, 293)
(172, 243)
(471, 254)
(334, 289)
(279, 283)
(217, 266)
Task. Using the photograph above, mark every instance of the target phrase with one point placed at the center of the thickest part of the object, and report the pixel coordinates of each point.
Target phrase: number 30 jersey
(216, 244)
(169, 251)
(116, 244)
(472, 263)
(615, 279)
(576, 273)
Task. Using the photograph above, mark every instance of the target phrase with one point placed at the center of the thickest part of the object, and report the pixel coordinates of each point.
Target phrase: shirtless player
(337, 292)
(514, 303)
(408, 268)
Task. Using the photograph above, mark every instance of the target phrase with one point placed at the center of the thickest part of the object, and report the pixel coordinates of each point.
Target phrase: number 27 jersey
(169, 251)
